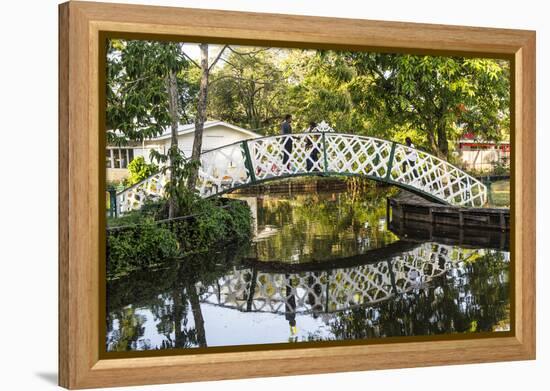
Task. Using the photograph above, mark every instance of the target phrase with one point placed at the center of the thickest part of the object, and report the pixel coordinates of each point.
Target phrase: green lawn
(500, 194)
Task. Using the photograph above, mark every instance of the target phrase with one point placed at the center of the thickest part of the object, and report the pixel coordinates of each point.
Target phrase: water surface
(322, 266)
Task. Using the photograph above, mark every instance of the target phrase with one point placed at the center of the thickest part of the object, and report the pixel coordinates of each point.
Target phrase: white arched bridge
(320, 152)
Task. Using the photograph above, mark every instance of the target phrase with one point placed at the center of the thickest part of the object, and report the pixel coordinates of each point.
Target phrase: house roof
(190, 128)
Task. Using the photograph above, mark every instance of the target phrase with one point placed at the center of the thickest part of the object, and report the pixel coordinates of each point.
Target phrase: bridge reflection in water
(335, 279)
(334, 289)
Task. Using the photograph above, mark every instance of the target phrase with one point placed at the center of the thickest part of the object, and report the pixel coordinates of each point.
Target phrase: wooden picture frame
(81, 25)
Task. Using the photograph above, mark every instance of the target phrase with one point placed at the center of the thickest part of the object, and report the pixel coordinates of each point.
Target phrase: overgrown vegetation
(139, 246)
(139, 170)
(143, 238)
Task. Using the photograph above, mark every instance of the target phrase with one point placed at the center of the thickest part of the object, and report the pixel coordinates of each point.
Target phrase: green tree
(147, 92)
(441, 97)
(322, 91)
(140, 170)
(250, 89)
(137, 92)
(432, 99)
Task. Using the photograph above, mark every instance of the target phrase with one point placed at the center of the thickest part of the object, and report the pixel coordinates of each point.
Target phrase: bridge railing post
(390, 162)
(113, 207)
(325, 157)
(248, 161)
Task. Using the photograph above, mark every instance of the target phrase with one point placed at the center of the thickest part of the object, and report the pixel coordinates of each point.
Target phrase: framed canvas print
(241, 199)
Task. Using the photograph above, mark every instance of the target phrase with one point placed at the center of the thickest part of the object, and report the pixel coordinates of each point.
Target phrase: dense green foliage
(438, 97)
(250, 89)
(139, 239)
(213, 225)
(139, 170)
(432, 99)
(139, 246)
(137, 97)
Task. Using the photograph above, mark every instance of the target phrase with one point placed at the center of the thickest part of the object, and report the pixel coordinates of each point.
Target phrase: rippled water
(322, 266)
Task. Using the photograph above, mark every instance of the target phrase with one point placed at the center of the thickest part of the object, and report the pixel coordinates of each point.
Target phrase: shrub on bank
(139, 240)
(137, 246)
(213, 224)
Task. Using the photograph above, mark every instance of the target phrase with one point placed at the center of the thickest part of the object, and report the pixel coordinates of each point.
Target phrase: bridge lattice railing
(260, 159)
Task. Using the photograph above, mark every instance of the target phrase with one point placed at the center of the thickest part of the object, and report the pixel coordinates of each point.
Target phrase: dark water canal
(321, 266)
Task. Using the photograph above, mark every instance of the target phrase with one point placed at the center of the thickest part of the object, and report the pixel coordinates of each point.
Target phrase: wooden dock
(420, 232)
(407, 208)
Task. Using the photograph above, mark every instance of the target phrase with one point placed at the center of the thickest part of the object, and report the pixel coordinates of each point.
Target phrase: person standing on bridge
(286, 128)
(411, 158)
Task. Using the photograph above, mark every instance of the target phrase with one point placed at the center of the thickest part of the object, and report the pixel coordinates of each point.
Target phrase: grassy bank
(141, 240)
(499, 194)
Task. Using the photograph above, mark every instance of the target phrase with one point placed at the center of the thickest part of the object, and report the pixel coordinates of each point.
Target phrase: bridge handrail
(441, 191)
(347, 135)
(307, 134)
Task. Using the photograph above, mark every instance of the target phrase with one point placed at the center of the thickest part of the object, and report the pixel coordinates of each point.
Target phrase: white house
(216, 134)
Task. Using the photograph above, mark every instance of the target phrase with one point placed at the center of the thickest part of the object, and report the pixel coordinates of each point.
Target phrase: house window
(109, 160)
(119, 157)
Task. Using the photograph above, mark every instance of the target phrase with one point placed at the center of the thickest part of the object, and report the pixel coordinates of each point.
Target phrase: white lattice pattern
(133, 197)
(321, 152)
(329, 290)
(281, 156)
(436, 177)
(357, 155)
(222, 169)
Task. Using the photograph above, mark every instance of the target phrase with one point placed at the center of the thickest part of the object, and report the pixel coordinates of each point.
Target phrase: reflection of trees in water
(473, 298)
(170, 295)
(470, 296)
(129, 330)
(321, 226)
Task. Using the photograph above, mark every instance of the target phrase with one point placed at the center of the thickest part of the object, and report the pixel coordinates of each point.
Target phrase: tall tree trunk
(179, 313)
(200, 118)
(172, 88)
(197, 314)
(442, 141)
(431, 140)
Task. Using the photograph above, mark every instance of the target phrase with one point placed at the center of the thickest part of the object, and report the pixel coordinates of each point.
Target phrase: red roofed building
(479, 155)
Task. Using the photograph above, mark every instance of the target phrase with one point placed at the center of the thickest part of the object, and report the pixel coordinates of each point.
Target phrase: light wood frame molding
(80, 154)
